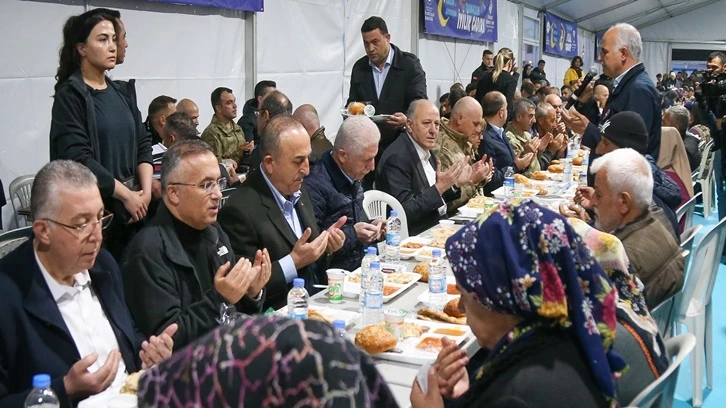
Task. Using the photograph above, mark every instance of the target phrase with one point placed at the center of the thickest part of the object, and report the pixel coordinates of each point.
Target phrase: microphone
(592, 73)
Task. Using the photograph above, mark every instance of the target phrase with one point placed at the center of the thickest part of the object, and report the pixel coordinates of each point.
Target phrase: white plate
(352, 289)
(470, 212)
(410, 354)
(374, 118)
(424, 297)
(421, 257)
(407, 253)
(333, 314)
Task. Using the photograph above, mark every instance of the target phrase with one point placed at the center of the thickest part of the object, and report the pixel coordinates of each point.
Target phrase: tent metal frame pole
(250, 54)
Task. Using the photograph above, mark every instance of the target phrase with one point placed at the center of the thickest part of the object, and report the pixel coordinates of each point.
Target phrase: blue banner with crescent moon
(247, 5)
(474, 20)
(560, 36)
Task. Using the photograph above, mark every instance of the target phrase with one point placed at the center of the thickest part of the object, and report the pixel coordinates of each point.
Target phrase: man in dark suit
(495, 143)
(61, 296)
(410, 172)
(632, 89)
(387, 77)
(273, 210)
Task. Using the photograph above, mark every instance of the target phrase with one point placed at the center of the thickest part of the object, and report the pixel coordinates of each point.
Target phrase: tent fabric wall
(656, 57)
(449, 60)
(699, 25)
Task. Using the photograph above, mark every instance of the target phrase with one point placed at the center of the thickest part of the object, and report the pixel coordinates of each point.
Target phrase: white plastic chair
(375, 203)
(20, 189)
(662, 389)
(694, 307)
(688, 236)
(13, 239)
(686, 210)
(707, 179)
(225, 195)
(665, 313)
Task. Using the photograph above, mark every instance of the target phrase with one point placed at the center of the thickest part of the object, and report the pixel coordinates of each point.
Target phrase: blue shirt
(288, 211)
(499, 130)
(379, 75)
(619, 78)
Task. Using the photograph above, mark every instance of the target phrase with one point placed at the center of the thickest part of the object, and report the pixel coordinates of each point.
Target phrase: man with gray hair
(623, 193)
(272, 209)
(180, 268)
(335, 189)
(678, 117)
(62, 301)
(632, 89)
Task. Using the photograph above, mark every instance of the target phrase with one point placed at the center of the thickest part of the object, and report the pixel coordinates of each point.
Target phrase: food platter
(450, 294)
(411, 245)
(329, 314)
(394, 284)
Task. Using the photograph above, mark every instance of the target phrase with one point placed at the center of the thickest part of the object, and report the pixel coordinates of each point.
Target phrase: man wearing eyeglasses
(62, 302)
(181, 268)
(273, 210)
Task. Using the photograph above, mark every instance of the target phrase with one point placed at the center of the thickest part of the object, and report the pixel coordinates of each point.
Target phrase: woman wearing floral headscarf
(267, 362)
(536, 297)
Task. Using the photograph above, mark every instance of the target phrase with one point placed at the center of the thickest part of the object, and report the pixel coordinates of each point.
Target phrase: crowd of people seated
(133, 255)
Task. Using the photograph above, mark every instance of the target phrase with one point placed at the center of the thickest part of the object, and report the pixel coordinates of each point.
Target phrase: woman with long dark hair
(500, 79)
(95, 121)
(574, 72)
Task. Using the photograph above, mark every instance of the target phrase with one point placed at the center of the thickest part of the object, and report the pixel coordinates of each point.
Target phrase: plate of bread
(420, 341)
(326, 314)
(450, 314)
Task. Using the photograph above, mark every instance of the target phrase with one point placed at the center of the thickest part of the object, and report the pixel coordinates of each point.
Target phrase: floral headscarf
(267, 362)
(525, 260)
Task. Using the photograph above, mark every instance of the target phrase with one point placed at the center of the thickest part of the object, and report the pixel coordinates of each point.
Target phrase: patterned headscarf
(267, 362)
(524, 260)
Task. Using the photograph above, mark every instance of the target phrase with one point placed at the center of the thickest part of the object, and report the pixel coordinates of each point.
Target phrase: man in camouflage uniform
(225, 136)
(518, 133)
(459, 137)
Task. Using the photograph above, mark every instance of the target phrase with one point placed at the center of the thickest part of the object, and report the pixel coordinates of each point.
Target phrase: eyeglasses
(85, 230)
(207, 186)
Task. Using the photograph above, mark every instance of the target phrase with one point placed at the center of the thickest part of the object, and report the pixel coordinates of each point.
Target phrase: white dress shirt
(619, 78)
(379, 75)
(429, 170)
(86, 321)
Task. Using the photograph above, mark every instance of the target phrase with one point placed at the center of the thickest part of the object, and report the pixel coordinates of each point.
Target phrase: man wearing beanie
(627, 130)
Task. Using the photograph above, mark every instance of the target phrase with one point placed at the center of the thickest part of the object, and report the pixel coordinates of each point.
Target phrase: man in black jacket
(538, 74)
(180, 268)
(411, 173)
(62, 299)
(248, 121)
(632, 89)
(387, 77)
(487, 64)
(273, 210)
(335, 190)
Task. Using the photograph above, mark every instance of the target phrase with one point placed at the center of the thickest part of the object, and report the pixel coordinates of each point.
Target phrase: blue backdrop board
(247, 5)
(598, 43)
(560, 36)
(470, 20)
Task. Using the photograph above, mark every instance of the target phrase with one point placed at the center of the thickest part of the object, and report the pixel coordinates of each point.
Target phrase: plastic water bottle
(339, 326)
(373, 302)
(586, 159)
(509, 183)
(437, 281)
(567, 176)
(42, 396)
(572, 149)
(583, 179)
(370, 256)
(297, 300)
(393, 238)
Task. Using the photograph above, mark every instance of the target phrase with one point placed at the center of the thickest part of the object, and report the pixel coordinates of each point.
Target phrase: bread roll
(556, 168)
(375, 340)
(452, 308)
(356, 108)
(555, 161)
(539, 175)
(422, 268)
(577, 161)
(518, 178)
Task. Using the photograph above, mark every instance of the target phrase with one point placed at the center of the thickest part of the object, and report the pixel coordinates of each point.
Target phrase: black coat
(506, 84)
(253, 220)
(500, 151)
(33, 335)
(248, 121)
(334, 196)
(542, 371)
(401, 175)
(405, 82)
(163, 287)
(635, 92)
(74, 136)
(537, 75)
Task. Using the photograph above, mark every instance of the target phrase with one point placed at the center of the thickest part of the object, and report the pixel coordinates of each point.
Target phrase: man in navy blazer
(495, 143)
(61, 296)
(410, 172)
(633, 90)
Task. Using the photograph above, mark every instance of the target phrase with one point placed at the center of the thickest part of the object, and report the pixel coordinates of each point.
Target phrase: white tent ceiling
(598, 15)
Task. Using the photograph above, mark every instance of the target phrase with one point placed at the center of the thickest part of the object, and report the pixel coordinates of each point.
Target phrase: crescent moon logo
(443, 21)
